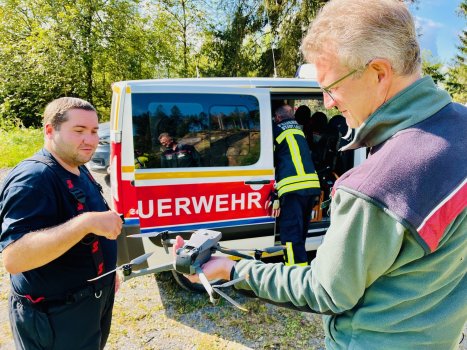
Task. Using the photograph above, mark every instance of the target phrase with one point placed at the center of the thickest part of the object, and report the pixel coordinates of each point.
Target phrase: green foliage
(71, 48)
(433, 68)
(18, 143)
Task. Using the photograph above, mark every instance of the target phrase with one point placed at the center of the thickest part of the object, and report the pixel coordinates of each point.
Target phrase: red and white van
(228, 121)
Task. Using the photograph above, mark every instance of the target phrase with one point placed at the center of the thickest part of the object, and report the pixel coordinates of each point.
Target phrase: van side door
(216, 173)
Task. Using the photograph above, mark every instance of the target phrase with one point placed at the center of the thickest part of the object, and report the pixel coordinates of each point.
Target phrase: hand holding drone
(190, 256)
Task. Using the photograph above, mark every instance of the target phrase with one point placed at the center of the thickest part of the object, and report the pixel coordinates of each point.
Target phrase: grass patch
(17, 144)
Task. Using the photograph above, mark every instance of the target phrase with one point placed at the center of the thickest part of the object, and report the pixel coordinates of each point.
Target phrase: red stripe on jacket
(432, 229)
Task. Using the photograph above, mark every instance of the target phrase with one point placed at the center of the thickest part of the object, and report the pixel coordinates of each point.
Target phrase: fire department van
(228, 122)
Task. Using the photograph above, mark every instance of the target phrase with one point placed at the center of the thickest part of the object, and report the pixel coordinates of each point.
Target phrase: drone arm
(233, 252)
(150, 270)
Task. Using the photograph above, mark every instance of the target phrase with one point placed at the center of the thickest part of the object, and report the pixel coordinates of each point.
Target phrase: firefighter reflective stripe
(295, 153)
(298, 178)
(297, 186)
(299, 182)
(290, 257)
(289, 132)
(289, 136)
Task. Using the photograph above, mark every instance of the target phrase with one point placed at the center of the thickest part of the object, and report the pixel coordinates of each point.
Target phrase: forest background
(54, 48)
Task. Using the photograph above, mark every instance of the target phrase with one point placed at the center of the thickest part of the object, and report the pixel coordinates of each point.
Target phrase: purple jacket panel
(418, 175)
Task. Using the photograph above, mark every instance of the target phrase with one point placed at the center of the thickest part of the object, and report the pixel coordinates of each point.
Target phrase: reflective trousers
(293, 224)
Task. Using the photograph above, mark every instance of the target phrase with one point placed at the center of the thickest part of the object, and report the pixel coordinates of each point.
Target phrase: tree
(185, 19)
(432, 67)
(53, 48)
(230, 46)
(457, 74)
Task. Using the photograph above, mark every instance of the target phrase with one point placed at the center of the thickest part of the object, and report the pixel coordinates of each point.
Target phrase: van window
(221, 130)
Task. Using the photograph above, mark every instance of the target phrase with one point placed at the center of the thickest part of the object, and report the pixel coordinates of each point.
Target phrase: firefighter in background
(297, 185)
(177, 155)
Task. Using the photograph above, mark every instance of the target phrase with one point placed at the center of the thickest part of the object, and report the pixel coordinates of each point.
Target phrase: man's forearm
(38, 248)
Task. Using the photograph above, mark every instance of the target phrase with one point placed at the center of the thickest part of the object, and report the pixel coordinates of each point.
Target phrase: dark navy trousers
(293, 224)
(82, 324)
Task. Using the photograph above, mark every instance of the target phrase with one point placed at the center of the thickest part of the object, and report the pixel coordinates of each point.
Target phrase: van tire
(185, 283)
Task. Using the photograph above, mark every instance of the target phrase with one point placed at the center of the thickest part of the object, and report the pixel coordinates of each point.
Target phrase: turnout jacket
(391, 272)
(295, 171)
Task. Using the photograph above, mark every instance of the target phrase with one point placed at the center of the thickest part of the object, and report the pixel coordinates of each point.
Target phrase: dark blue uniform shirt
(33, 198)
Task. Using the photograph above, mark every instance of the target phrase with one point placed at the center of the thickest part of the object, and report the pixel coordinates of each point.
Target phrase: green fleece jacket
(372, 280)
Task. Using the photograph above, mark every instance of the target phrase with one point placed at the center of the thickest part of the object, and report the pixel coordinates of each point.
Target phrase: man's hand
(107, 224)
(273, 203)
(216, 268)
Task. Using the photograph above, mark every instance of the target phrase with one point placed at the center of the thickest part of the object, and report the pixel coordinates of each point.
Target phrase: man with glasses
(391, 271)
(57, 232)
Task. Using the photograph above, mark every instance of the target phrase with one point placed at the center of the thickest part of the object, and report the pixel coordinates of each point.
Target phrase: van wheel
(183, 282)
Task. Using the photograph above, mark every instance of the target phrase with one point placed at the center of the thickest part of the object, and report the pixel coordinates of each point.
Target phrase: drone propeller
(136, 261)
(214, 292)
(225, 296)
(157, 234)
(151, 234)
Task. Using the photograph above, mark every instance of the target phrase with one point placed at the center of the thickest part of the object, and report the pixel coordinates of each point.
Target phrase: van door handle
(257, 182)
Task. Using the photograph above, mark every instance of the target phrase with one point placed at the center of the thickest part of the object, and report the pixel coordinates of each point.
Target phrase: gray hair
(284, 112)
(55, 112)
(358, 31)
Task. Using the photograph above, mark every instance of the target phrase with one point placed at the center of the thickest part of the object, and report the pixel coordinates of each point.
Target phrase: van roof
(227, 82)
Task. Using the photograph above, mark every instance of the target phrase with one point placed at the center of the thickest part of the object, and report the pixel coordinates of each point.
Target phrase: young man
(297, 185)
(391, 272)
(57, 232)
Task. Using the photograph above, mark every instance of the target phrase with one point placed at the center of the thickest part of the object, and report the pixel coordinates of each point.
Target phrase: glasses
(326, 89)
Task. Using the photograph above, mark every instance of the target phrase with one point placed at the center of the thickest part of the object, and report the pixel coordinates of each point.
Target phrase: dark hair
(339, 123)
(319, 122)
(302, 114)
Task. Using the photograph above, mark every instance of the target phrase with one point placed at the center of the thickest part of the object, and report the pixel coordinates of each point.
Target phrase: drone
(189, 259)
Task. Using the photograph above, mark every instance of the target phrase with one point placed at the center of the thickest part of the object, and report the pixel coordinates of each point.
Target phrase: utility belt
(45, 303)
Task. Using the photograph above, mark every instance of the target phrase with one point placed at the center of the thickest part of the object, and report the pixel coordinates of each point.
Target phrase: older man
(391, 272)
